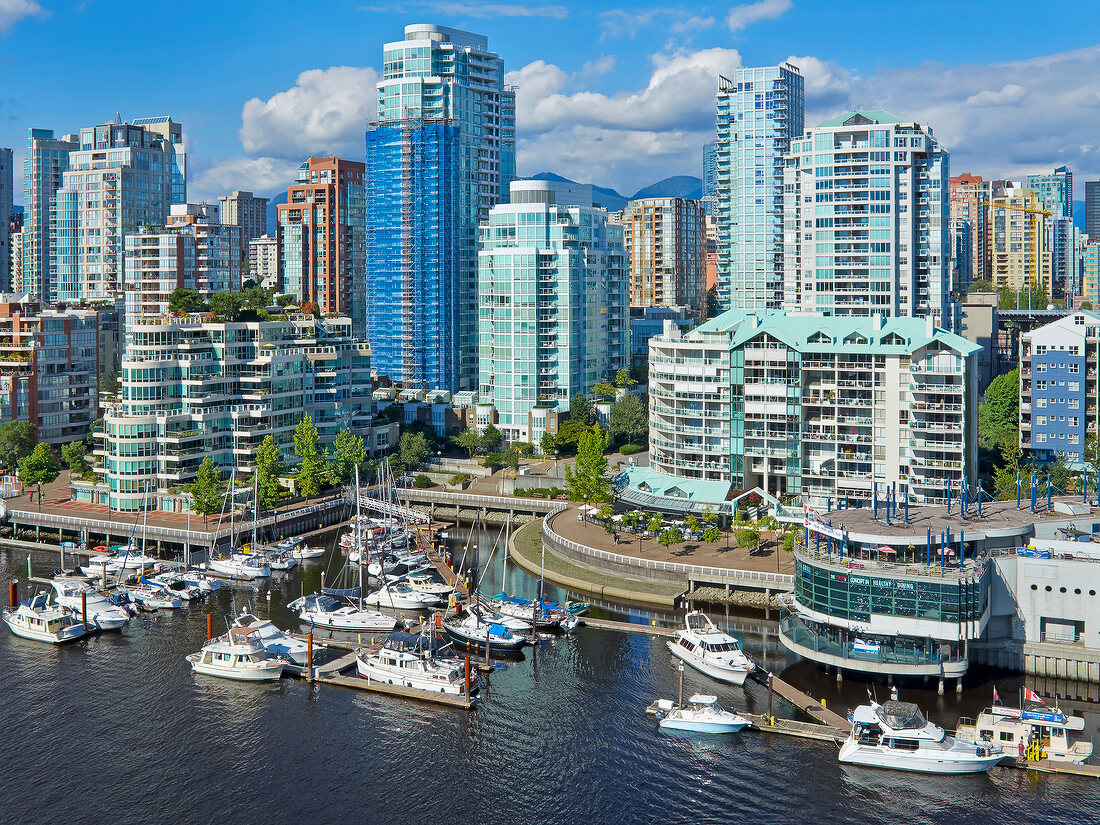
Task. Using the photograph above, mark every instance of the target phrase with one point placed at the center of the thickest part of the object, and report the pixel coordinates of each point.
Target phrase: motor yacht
(303, 552)
(274, 640)
(178, 585)
(896, 735)
(472, 631)
(280, 559)
(240, 655)
(112, 567)
(701, 714)
(399, 595)
(409, 659)
(200, 579)
(325, 611)
(41, 622)
(707, 649)
(1044, 732)
(241, 566)
(153, 598)
(76, 596)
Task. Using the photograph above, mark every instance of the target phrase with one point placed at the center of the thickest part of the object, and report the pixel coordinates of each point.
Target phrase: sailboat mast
(355, 541)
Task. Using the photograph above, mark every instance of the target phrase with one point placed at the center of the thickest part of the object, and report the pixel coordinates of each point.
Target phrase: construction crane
(1008, 207)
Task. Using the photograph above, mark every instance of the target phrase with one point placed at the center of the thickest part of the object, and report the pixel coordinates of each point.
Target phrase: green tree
(587, 480)
(629, 421)
(670, 537)
(981, 286)
(1032, 296)
(38, 468)
(654, 524)
(692, 524)
(569, 434)
(347, 453)
(1086, 305)
(1060, 474)
(605, 390)
(998, 414)
(74, 454)
(605, 513)
(505, 459)
(623, 380)
(492, 440)
(1092, 456)
(269, 468)
(580, 411)
(709, 516)
(206, 490)
(226, 306)
(254, 297)
(185, 301)
(711, 535)
(413, 450)
(748, 538)
(1004, 476)
(468, 440)
(631, 518)
(311, 463)
(17, 439)
(548, 444)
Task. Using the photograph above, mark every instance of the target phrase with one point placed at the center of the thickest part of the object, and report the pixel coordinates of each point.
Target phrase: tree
(1004, 477)
(348, 453)
(629, 420)
(468, 440)
(654, 524)
(692, 524)
(623, 380)
(1092, 456)
(587, 480)
(412, 450)
(789, 541)
(670, 536)
(981, 286)
(748, 538)
(605, 513)
(492, 440)
(185, 301)
(206, 490)
(311, 464)
(998, 414)
(38, 468)
(1086, 305)
(709, 516)
(74, 454)
(631, 518)
(711, 535)
(1032, 296)
(580, 411)
(548, 444)
(569, 434)
(605, 390)
(269, 467)
(17, 439)
(1060, 474)
(506, 459)
(225, 306)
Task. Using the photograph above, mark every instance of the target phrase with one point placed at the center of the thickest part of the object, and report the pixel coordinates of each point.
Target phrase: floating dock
(629, 627)
(792, 727)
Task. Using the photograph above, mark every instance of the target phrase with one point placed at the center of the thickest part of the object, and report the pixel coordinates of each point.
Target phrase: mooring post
(309, 655)
(209, 626)
(84, 609)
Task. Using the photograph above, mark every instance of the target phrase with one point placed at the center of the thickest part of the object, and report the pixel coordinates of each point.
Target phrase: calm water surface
(116, 729)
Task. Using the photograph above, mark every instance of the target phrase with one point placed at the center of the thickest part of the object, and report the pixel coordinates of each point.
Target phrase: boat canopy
(412, 642)
(703, 699)
(343, 593)
(902, 715)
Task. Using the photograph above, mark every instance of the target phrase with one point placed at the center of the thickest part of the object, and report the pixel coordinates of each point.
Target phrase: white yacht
(401, 595)
(198, 578)
(325, 611)
(41, 622)
(1045, 732)
(707, 649)
(408, 659)
(178, 585)
(115, 566)
(475, 631)
(153, 598)
(701, 714)
(303, 552)
(240, 655)
(241, 566)
(274, 640)
(74, 594)
(896, 735)
(278, 559)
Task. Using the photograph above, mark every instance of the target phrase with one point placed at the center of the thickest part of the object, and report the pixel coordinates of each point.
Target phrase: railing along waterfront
(950, 570)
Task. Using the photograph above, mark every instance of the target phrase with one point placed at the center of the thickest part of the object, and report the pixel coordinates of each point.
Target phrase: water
(117, 729)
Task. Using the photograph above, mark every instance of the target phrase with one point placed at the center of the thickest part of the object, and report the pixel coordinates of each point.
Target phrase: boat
(896, 735)
(701, 714)
(425, 580)
(240, 655)
(274, 640)
(280, 559)
(707, 649)
(471, 631)
(200, 579)
(1045, 732)
(115, 567)
(398, 595)
(542, 613)
(409, 659)
(240, 566)
(81, 599)
(39, 621)
(178, 585)
(305, 553)
(325, 611)
(153, 598)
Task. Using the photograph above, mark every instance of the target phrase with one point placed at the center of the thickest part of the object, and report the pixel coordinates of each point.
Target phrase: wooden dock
(1048, 766)
(792, 727)
(804, 702)
(629, 627)
(332, 673)
(449, 576)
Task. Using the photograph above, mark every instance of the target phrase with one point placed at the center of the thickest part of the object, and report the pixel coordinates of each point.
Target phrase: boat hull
(915, 762)
(400, 602)
(343, 623)
(512, 646)
(727, 675)
(68, 634)
(702, 727)
(375, 674)
(270, 674)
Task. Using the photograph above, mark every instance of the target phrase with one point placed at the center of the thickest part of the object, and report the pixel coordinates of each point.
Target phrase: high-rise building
(1018, 238)
(322, 248)
(1092, 209)
(43, 167)
(263, 261)
(17, 262)
(121, 177)
(800, 404)
(172, 133)
(666, 245)
(553, 296)
(7, 205)
(759, 113)
(439, 158)
(193, 251)
(710, 176)
(245, 210)
(1090, 275)
(1055, 193)
(969, 214)
(867, 216)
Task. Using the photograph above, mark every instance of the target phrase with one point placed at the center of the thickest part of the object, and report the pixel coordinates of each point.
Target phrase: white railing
(496, 502)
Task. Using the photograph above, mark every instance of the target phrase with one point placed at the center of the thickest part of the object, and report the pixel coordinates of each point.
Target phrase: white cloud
(623, 23)
(692, 23)
(12, 11)
(1009, 93)
(252, 174)
(746, 14)
(327, 110)
(496, 9)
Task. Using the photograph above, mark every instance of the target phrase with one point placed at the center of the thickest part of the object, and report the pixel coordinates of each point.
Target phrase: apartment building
(667, 247)
(44, 166)
(245, 210)
(263, 261)
(192, 389)
(817, 406)
(1019, 246)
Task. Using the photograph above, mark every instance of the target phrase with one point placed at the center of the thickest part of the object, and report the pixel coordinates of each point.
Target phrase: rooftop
(864, 117)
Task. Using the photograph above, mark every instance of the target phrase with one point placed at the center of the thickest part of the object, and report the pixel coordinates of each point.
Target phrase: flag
(1032, 696)
(996, 698)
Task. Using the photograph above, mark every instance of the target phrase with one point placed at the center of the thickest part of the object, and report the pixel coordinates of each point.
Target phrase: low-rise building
(263, 261)
(645, 322)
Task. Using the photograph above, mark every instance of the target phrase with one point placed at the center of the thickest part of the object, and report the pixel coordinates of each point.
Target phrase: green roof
(873, 115)
(694, 489)
(807, 332)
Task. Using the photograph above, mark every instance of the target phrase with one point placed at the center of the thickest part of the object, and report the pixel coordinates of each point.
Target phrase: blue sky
(620, 95)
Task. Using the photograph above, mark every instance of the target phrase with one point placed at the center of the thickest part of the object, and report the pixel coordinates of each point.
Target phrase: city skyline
(606, 96)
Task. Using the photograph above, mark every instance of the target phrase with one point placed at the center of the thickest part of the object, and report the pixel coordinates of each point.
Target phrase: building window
(1040, 403)
(1041, 420)
(1074, 369)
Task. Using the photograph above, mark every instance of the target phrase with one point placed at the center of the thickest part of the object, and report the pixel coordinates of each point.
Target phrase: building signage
(814, 526)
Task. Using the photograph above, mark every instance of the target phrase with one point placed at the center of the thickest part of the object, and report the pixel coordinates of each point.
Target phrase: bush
(422, 481)
(459, 479)
(630, 449)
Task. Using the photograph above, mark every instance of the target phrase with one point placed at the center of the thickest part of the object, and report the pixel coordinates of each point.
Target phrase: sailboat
(238, 565)
(144, 593)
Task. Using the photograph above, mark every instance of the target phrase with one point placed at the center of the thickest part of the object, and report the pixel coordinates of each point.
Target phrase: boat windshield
(720, 647)
(902, 716)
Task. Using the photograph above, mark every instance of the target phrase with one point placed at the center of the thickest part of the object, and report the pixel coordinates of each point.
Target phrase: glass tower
(1055, 193)
(758, 114)
(46, 161)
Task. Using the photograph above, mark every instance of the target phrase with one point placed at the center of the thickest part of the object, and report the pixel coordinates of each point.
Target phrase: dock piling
(84, 609)
(13, 593)
(209, 626)
(309, 654)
